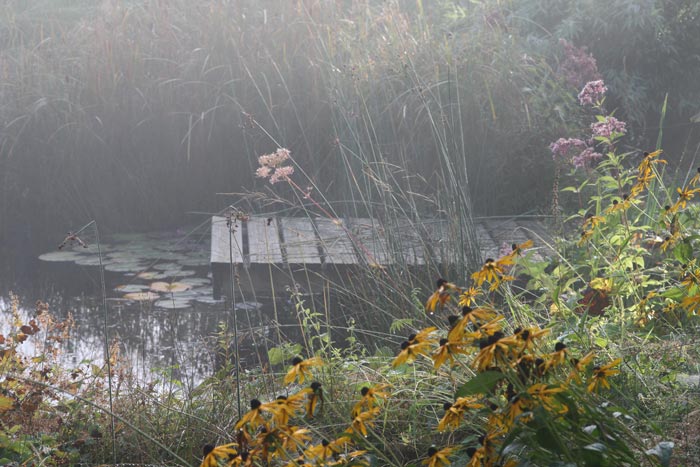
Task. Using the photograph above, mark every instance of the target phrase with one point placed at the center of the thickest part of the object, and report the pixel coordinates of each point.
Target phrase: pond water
(159, 305)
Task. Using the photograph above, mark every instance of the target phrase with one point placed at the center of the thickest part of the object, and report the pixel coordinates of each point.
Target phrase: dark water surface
(159, 304)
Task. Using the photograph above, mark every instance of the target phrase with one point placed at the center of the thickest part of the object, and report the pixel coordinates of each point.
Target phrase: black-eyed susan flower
(295, 438)
(254, 418)
(600, 375)
(494, 350)
(579, 366)
(493, 272)
(283, 411)
(684, 195)
(417, 344)
(215, 454)
(545, 396)
(468, 296)
(315, 398)
(440, 296)
(447, 350)
(323, 451)
(301, 369)
(454, 412)
(370, 396)
(439, 458)
(362, 421)
(558, 357)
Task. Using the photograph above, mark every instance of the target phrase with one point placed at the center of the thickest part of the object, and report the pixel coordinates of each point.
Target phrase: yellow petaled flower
(599, 378)
(301, 369)
(455, 412)
(684, 195)
(527, 336)
(517, 405)
(253, 418)
(558, 357)
(494, 349)
(284, 409)
(691, 302)
(579, 366)
(493, 272)
(324, 450)
(369, 397)
(545, 396)
(447, 349)
(696, 178)
(438, 458)
(440, 296)
(315, 396)
(363, 420)
(417, 344)
(476, 316)
(295, 438)
(214, 455)
(468, 297)
(591, 222)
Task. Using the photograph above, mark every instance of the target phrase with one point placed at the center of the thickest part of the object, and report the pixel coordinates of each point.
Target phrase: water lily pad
(131, 288)
(196, 281)
(208, 300)
(173, 304)
(174, 273)
(61, 256)
(92, 260)
(151, 275)
(125, 266)
(169, 287)
(142, 296)
(166, 266)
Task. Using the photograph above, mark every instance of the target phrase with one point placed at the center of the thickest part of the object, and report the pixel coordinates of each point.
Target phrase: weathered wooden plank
(263, 241)
(487, 244)
(335, 243)
(371, 245)
(300, 240)
(220, 242)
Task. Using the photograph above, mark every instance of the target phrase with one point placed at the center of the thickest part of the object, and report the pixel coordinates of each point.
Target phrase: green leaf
(676, 294)
(683, 252)
(482, 383)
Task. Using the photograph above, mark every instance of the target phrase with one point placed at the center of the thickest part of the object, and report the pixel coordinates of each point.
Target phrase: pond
(159, 305)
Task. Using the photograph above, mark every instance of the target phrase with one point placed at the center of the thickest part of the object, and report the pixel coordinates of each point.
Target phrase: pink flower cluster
(563, 146)
(585, 158)
(578, 66)
(592, 93)
(271, 166)
(609, 127)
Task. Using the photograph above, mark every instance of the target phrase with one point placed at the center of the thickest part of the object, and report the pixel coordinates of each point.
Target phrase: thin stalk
(233, 311)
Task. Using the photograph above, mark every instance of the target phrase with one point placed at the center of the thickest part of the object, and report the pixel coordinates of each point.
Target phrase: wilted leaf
(662, 451)
(6, 404)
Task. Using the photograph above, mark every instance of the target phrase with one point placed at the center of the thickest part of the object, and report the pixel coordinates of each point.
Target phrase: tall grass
(133, 113)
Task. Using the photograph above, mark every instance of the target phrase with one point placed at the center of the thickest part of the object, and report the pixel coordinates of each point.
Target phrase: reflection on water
(177, 331)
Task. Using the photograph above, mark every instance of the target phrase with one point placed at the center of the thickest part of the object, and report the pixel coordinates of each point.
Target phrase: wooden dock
(288, 244)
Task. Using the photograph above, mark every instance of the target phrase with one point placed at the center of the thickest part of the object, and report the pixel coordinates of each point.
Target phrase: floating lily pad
(195, 261)
(173, 304)
(175, 273)
(61, 256)
(166, 266)
(142, 296)
(125, 266)
(196, 281)
(208, 300)
(151, 275)
(169, 287)
(131, 288)
(92, 260)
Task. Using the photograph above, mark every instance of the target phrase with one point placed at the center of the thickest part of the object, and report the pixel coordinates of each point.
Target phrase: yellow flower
(440, 296)
(253, 418)
(476, 316)
(295, 438)
(324, 450)
(417, 344)
(213, 455)
(545, 396)
(438, 458)
(468, 297)
(600, 376)
(579, 366)
(447, 349)
(315, 396)
(494, 349)
(301, 369)
(684, 195)
(369, 397)
(363, 420)
(455, 412)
